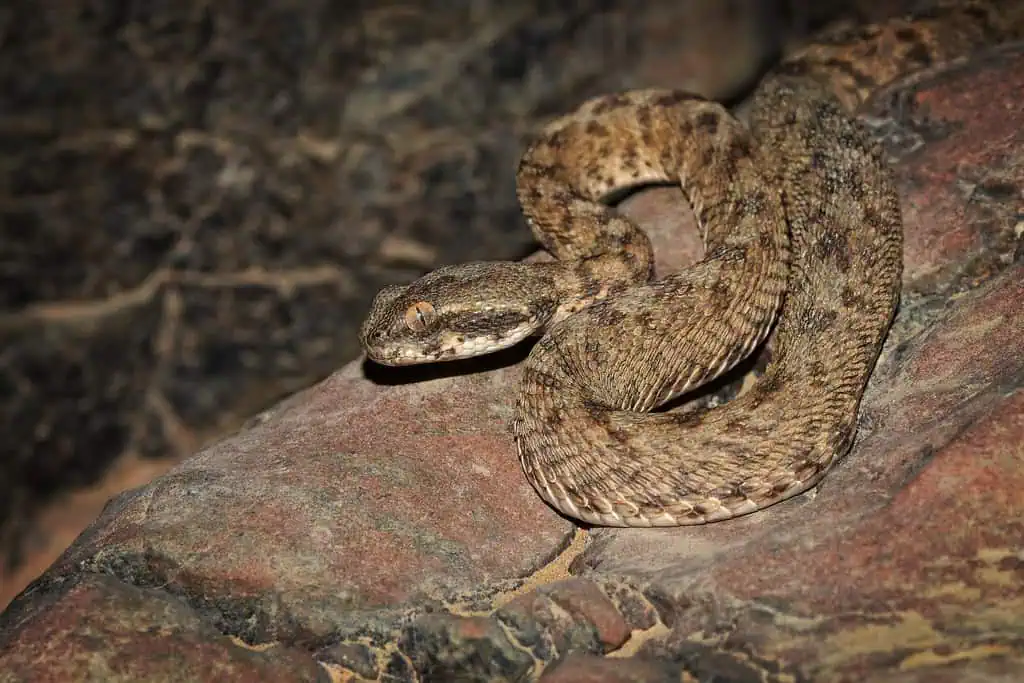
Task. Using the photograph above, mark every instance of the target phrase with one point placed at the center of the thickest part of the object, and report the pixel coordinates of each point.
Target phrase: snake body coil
(801, 223)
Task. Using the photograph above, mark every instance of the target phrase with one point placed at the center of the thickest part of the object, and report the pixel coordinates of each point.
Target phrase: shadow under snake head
(460, 311)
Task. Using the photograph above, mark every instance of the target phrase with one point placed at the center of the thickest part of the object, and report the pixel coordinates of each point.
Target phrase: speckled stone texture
(378, 528)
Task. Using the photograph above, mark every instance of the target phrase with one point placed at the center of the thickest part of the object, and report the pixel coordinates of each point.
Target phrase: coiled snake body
(801, 223)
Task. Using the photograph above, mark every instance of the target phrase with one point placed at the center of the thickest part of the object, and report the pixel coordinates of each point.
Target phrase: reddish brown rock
(585, 602)
(589, 669)
(314, 518)
(96, 627)
(377, 528)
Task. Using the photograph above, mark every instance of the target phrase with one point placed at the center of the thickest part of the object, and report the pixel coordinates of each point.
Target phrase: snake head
(458, 312)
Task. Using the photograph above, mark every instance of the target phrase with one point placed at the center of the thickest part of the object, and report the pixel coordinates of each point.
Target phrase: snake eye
(419, 315)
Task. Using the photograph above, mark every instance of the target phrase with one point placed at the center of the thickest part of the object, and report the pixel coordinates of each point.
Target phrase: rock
(158, 637)
(379, 527)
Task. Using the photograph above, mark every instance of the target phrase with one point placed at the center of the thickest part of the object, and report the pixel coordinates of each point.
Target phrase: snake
(802, 231)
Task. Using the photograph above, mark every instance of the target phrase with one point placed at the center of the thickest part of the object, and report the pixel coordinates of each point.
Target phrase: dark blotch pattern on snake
(801, 224)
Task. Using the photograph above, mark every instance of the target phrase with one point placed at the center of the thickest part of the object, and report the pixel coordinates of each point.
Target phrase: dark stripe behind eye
(476, 323)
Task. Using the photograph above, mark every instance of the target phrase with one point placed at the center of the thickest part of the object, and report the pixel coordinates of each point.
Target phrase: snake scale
(802, 230)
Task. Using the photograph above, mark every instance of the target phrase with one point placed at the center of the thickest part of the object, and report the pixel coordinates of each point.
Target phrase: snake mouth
(399, 356)
(450, 346)
(391, 362)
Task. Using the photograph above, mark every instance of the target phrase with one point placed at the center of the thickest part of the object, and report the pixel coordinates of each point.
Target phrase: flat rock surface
(375, 527)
